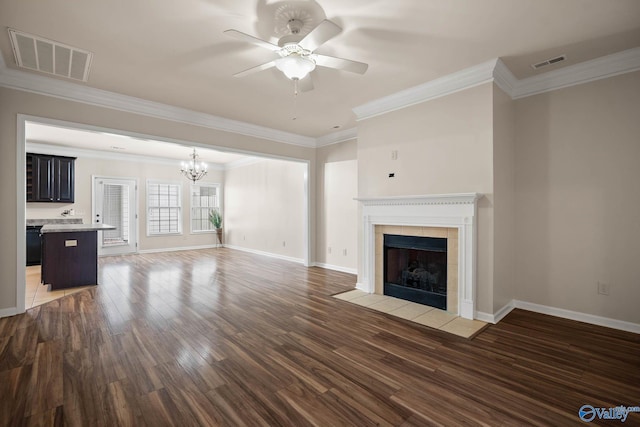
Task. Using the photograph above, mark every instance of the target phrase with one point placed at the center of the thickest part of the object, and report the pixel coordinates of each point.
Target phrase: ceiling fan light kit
(296, 67)
(296, 51)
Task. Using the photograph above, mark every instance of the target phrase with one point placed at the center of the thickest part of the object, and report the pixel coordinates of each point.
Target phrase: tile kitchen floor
(37, 294)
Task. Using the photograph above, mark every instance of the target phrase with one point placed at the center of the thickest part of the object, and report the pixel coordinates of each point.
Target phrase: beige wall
(577, 197)
(13, 102)
(337, 182)
(444, 146)
(504, 199)
(264, 207)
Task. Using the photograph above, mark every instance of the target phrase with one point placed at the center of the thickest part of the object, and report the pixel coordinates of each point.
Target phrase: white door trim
(136, 231)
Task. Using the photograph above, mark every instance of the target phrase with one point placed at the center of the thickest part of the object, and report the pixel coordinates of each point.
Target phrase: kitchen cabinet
(34, 238)
(50, 178)
(70, 254)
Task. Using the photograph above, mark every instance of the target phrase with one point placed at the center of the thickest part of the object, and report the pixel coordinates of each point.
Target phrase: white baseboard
(181, 248)
(485, 317)
(558, 312)
(497, 316)
(580, 317)
(6, 312)
(336, 268)
(269, 254)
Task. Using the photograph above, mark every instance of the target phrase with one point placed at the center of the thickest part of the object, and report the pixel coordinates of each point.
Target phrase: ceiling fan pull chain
(295, 98)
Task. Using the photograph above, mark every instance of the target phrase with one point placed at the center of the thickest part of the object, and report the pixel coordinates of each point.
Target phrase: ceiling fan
(296, 52)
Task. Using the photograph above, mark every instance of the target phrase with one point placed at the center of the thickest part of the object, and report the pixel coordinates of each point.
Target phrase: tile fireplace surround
(440, 215)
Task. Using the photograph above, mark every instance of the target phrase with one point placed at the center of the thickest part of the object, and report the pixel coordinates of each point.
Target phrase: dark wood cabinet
(64, 178)
(70, 259)
(50, 178)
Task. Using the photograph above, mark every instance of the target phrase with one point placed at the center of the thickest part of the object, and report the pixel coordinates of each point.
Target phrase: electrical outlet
(603, 288)
(344, 252)
(329, 249)
(394, 155)
(284, 244)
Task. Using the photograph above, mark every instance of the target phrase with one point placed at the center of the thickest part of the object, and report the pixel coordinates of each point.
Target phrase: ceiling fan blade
(325, 31)
(265, 66)
(306, 84)
(341, 64)
(254, 40)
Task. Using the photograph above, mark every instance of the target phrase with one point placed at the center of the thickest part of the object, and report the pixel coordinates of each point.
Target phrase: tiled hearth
(417, 313)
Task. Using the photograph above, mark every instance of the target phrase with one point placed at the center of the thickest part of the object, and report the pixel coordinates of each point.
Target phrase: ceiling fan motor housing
(292, 48)
(295, 25)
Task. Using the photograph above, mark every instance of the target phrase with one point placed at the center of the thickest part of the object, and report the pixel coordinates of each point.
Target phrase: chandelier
(192, 169)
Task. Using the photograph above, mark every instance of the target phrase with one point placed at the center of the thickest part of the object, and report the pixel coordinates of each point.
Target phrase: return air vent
(39, 54)
(549, 62)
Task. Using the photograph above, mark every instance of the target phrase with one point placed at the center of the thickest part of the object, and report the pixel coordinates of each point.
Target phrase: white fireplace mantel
(458, 210)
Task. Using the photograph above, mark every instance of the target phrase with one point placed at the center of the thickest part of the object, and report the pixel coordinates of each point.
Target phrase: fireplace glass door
(415, 269)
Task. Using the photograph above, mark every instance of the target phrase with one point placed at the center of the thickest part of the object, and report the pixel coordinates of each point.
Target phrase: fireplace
(449, 216)
(415, 269)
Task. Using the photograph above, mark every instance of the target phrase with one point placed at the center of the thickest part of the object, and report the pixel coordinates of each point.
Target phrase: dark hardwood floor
(221, 337)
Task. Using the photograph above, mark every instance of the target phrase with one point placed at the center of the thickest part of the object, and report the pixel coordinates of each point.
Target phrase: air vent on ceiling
(550, 61)
(39, 54)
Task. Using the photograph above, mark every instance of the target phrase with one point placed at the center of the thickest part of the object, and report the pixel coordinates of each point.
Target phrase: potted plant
(216, 220)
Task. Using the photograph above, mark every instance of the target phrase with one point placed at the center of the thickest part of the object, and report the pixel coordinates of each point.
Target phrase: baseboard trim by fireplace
(336, 268)
(580, 317)
(497, 316)
(559, 312)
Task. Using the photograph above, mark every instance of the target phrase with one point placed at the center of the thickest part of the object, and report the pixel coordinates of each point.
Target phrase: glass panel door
(115, 204)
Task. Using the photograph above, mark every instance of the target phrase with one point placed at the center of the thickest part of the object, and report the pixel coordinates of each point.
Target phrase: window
(204, 198)
(164, 208)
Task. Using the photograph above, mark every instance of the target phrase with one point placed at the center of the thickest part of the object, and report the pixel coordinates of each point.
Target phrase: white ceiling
(175, 52)
(79, 139)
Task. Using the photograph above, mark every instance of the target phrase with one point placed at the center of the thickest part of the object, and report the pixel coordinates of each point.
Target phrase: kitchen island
(70, 254)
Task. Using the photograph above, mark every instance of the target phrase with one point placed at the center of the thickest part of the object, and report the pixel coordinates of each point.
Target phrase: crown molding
(504, 78)
(337, 137)
(443, 86)
(44, 85)
(490, 71)
(496, 71)
(604, 67)
(58, 150)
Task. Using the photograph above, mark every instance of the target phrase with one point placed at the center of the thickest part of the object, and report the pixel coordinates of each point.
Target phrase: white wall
(341, 213)
(337, 210)
(264, 207)
(578, 197)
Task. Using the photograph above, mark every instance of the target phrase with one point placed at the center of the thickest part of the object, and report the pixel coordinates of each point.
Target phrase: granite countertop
(70, 228)
(43, 221)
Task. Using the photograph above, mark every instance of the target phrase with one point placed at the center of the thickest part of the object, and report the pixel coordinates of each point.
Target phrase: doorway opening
(126, 239)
